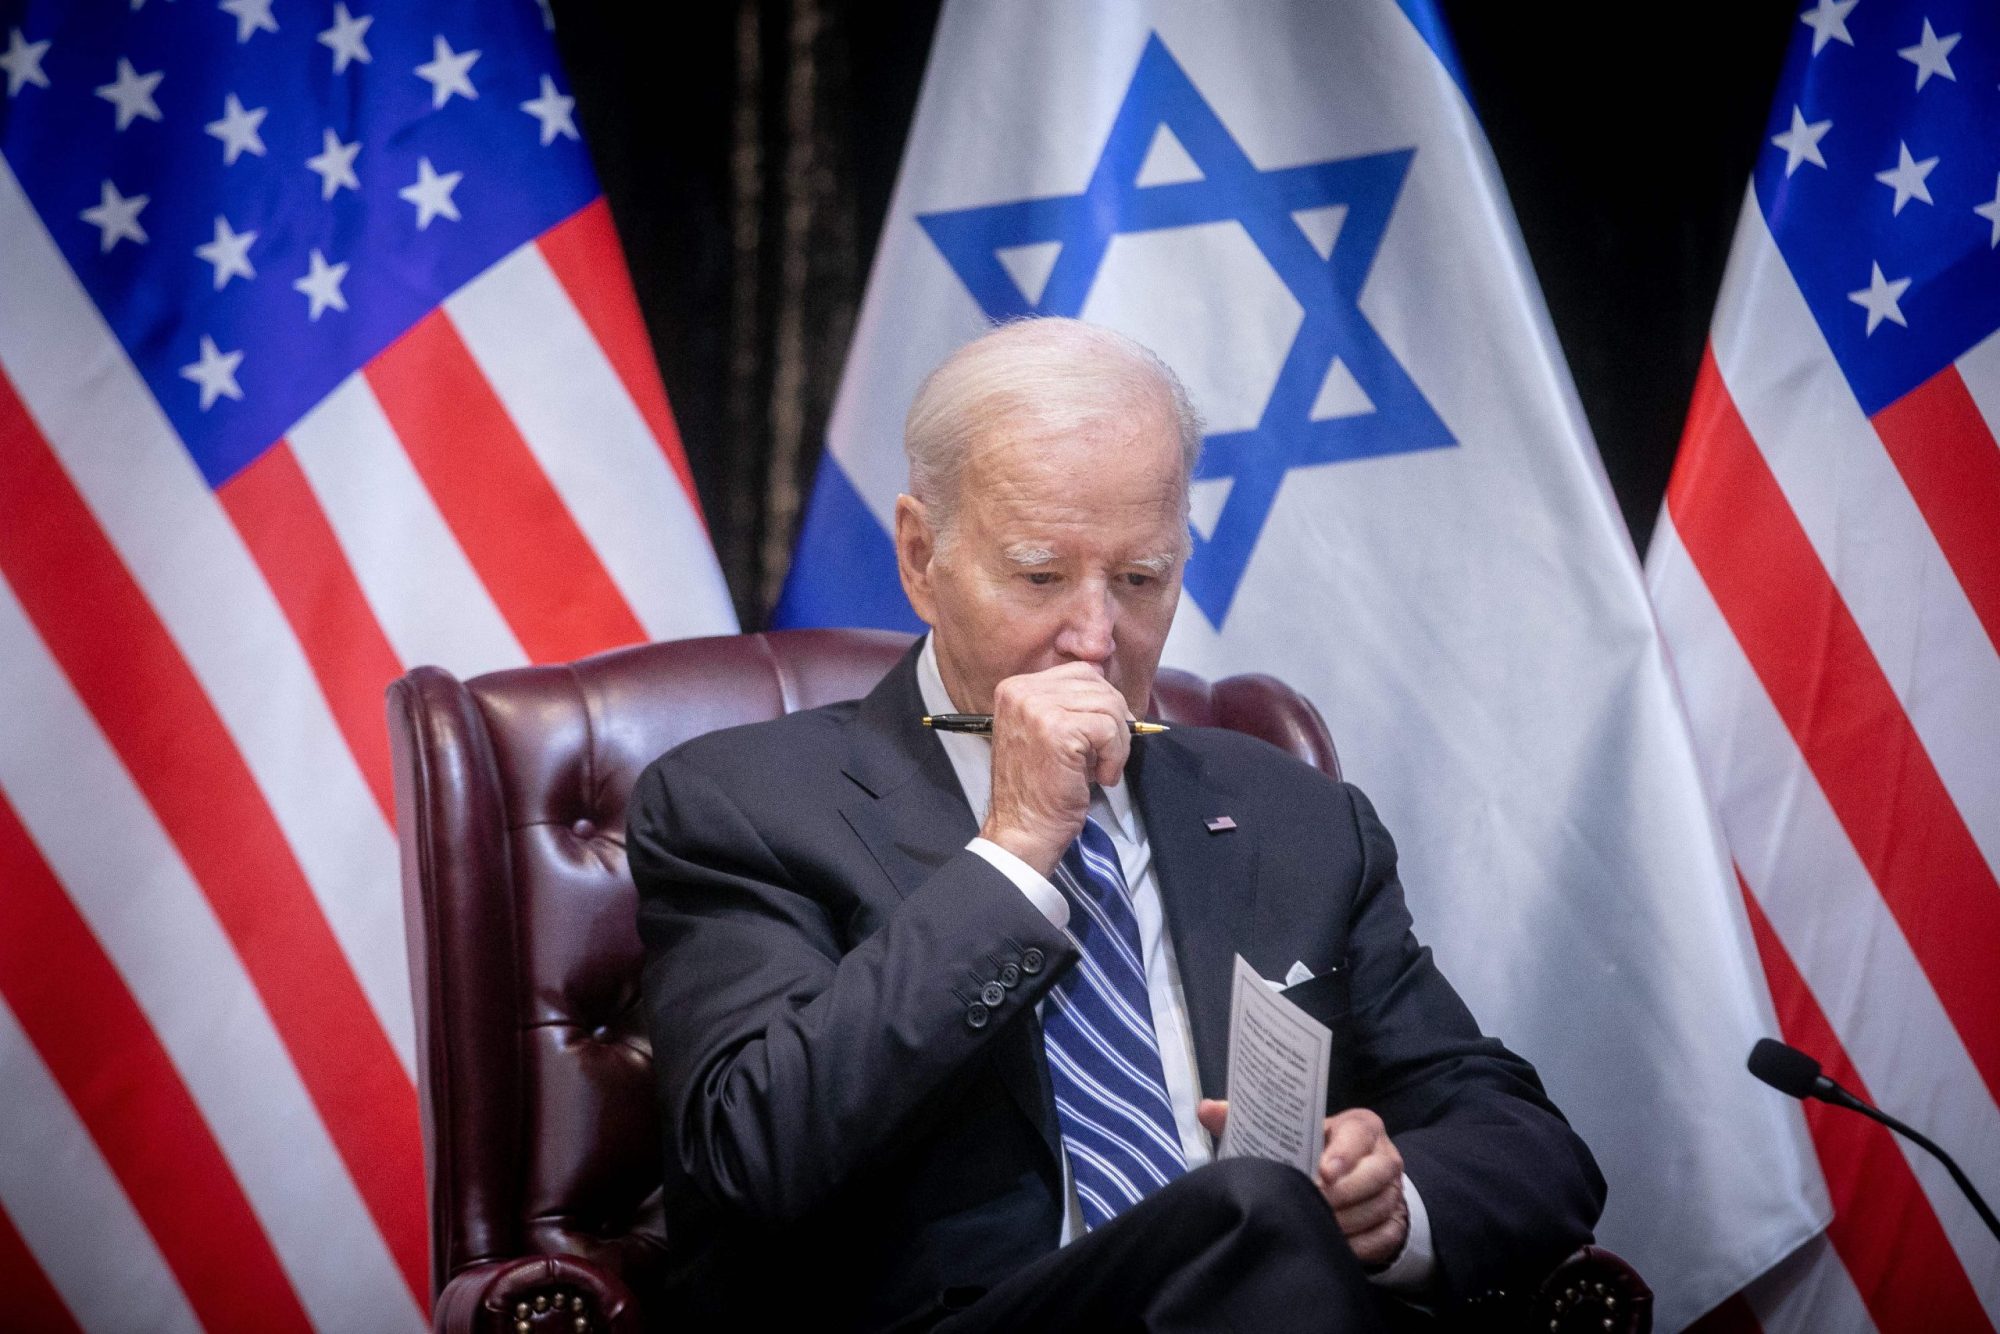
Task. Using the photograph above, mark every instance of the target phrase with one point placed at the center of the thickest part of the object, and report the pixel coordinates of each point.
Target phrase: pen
(981, 724)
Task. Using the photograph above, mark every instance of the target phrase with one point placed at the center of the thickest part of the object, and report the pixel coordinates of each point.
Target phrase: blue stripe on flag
(1424, 17)
(844, 567)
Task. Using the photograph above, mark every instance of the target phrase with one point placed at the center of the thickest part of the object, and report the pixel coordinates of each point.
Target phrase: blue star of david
(1230, 188)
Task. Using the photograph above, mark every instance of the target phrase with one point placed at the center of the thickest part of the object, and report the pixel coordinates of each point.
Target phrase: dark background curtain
(748, 149)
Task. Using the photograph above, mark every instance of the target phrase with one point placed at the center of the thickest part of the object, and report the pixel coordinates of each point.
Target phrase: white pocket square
(1294, 975)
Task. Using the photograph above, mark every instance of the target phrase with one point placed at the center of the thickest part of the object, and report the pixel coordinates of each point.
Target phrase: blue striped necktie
(1104, 1058)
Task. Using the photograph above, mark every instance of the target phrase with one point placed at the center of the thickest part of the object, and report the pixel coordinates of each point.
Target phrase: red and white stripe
(56, 1187)
(1829, 589)
(204, 1006)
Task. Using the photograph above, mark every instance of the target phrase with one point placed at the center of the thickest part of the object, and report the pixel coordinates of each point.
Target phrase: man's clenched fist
(1360, 1174)
(1055, 733)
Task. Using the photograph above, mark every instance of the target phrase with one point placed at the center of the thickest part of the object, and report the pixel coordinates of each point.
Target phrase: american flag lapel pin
(1219, 824)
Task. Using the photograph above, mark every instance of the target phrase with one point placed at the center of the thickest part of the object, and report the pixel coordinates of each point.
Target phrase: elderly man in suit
(934, 1015)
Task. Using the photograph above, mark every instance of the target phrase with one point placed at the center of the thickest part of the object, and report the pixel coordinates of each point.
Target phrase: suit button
(992, 994)
(1031, 961)
(1010, 976)
(976, 1015)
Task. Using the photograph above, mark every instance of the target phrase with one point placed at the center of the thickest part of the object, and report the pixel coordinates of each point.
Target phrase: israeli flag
(1399, 510)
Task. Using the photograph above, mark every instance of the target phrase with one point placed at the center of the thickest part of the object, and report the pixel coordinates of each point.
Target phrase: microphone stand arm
(1840, 1097)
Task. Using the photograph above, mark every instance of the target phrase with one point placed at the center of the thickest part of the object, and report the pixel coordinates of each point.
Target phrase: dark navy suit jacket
(854, 1131)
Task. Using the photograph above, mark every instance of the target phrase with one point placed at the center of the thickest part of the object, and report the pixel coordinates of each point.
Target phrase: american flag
(318, 360)
(1828, 577)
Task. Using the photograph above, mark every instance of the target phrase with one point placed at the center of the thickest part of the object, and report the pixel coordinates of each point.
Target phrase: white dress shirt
(1112, 807)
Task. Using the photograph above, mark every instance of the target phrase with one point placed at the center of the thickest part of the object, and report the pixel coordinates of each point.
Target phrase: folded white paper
(1278, 1059)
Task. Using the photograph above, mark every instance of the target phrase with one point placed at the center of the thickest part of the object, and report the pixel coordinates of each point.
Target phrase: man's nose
(1087, 631)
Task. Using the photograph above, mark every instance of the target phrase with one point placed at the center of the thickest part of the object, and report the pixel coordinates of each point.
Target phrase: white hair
(1055, 377)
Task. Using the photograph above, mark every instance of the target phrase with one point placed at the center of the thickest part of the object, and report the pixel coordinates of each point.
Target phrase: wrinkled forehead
(1128, 449)
(1115, 493)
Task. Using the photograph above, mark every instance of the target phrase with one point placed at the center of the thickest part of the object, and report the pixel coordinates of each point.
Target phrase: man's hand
(1360, 1174)
(1055, 733)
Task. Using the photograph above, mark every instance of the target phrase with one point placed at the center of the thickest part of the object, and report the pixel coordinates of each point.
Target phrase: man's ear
(916, 548)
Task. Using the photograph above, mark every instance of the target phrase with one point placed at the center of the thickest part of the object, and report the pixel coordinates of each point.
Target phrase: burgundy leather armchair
(540, 1136)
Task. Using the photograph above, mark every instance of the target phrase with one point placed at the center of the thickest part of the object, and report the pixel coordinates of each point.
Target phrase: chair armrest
(1594, 1290)
(542, 1294)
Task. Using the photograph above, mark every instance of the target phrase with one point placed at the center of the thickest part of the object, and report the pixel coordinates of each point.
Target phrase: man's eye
(1138, 580)
(1040, 577)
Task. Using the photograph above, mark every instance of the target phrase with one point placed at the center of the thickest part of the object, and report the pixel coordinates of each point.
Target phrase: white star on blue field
(1230, 188)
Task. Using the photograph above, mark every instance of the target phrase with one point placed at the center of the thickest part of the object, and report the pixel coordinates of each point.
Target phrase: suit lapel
(1207, 887)
(909, 810)
(912, 815)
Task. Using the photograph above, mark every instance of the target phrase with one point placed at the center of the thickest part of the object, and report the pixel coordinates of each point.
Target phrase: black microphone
(1791, 1071)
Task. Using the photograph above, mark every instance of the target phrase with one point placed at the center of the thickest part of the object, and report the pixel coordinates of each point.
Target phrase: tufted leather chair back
(533, 1064)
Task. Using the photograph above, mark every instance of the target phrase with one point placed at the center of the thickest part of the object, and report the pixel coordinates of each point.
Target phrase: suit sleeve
(1510, 1189)
(785, 1061)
